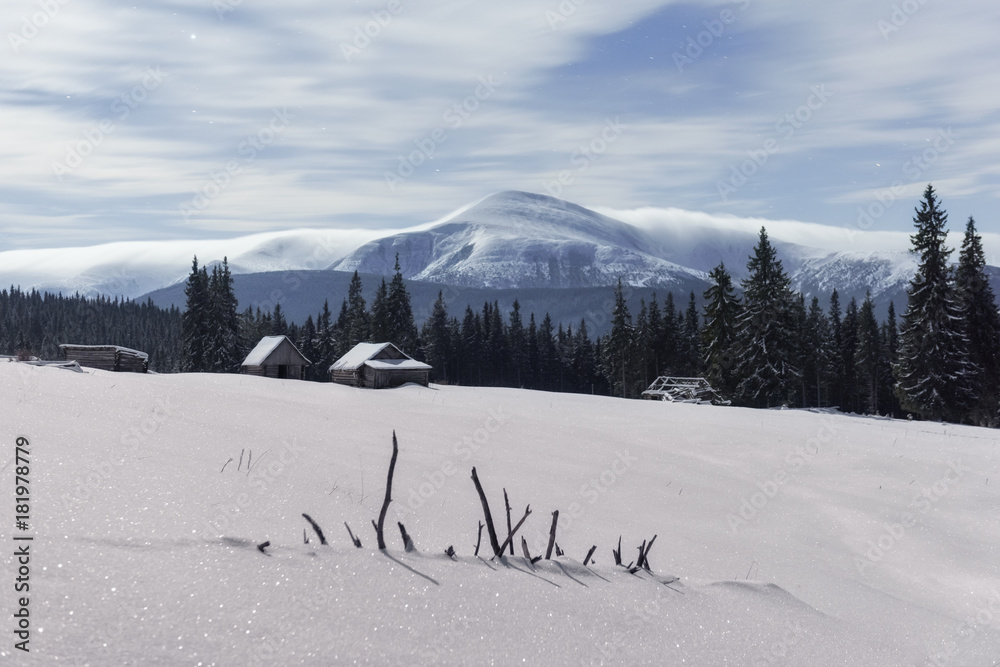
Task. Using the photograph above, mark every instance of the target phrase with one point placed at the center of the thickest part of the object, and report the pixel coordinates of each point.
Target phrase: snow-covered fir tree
(766, 331)
(719, 334)
(933, 372)
(981, 326)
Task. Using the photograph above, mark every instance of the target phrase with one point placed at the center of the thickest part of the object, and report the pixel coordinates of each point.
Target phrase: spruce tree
(381, 315)
(357, 326)
(889, 335)
(195, 321)
(868, 356)
(517, 344)
(618, 347)
(981, 326)
(850, 393)
(719, 335)
(817, 341)
(933, 373)
(437, 339)
(766, 334)
(402, 330)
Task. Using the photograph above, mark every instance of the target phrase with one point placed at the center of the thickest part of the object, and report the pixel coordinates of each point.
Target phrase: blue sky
(217, 118)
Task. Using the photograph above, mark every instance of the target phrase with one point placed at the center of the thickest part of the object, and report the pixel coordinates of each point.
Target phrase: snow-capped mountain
(506, 240)
(517, 239)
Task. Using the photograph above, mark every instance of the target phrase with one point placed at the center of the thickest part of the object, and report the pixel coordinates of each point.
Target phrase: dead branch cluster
(499, 548)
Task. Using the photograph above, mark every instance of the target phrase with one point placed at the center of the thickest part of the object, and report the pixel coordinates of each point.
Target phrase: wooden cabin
(378, 366)
(107, 357)
(275, 357)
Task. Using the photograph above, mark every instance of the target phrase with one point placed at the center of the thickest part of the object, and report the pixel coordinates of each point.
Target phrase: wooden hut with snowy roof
(378, 366)
(106, 357)
(275, 357)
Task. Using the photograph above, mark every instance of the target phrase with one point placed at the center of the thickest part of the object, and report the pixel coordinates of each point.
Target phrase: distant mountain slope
(517, 239)
(506, 241)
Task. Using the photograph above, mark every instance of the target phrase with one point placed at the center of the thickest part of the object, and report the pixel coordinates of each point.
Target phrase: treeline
(34, 324)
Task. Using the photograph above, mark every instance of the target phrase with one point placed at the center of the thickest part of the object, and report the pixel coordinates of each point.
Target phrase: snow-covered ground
(798, 538)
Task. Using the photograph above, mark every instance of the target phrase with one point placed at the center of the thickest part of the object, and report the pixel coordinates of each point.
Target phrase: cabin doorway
(282, 372)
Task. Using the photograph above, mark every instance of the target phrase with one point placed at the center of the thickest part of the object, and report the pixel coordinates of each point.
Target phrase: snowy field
(798, 538)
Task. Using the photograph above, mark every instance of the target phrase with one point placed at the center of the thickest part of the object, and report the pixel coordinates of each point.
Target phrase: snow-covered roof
(357, 356)
(362, 355)
(399, 364)
(105, 348)
(265, 347)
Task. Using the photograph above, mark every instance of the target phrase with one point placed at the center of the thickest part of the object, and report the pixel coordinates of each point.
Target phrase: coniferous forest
(759, 343)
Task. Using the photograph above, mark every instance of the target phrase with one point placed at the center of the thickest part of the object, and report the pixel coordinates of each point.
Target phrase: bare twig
(242, 451)
(486, 511)
(527, 511)
(589, 554)
(262, 546)
(506, 503)
(552, 535)
(225, 464)
(450, 552)
(315, 526)
(407, 542)
(388, 495)
(356, 540)
(479, 539)
(305, 537)
(618, 552)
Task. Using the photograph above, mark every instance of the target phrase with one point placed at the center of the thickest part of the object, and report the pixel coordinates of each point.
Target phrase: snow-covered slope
(517, 239)
(799, 538)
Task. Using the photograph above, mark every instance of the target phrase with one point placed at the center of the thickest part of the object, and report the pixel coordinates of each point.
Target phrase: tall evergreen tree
(934, 374)
(850, 393)
(618, 347)
(437, 339)
(402, 330)
(381, 315)
(224, 352)
(356, 325)
(766, 335)
(981, 327)
(517, 344)
(817, 370)
(889, 334)
(195, 321)
(868, 356)
(719, 335)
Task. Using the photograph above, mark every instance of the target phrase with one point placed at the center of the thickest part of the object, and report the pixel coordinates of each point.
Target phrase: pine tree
(357, 326)
(719, 335)
(279, 327)
(306, 342)
(618, 347)
(868, 356)
(472, 345)
(437, 339)
(766, 334)
(381, 315)
(325, 344)
(981, 325)
(934, 374)
(516, 341)
(402, 330)
(548, 356)
(817, 341)
(836, 341)
(195, 321)
(847, 372)
(889, 335)
(691, 341)
(224, 352)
